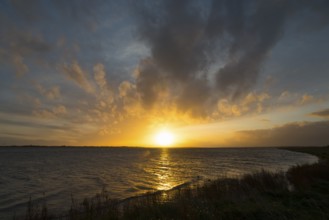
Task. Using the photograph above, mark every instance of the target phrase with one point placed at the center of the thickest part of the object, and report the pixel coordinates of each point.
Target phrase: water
(55, 174)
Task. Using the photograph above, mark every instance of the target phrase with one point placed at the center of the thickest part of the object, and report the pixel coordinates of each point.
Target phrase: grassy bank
(301, 193)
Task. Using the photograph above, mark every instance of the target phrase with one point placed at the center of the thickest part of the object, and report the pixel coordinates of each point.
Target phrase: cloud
(125, 88)
(252, 103)
(149, 82)
(292, 134)
(306, 99)
(130, 104)
(19, 45)
(192, 60)
(295, 99)
(75, 73)
(20, 67)
(24, 42)
(105, 95)
(323, 113)
(50, 113)
(59, 110)
(51, 93)
(100, 76)
(187, 40)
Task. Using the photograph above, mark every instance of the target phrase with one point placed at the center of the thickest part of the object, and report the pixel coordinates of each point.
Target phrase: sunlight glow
(164, 138)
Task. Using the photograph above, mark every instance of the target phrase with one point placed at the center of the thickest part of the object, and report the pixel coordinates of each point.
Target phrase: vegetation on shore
(301, 193)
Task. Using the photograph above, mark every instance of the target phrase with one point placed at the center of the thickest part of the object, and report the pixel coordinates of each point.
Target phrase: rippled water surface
(55, 174)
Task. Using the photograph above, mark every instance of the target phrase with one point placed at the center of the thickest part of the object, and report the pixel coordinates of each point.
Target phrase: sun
(164, 138)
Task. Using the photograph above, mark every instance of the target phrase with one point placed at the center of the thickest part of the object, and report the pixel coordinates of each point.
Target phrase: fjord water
(56, 174)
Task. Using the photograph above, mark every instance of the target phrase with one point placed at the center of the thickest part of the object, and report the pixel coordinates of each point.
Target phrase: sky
(214, 73)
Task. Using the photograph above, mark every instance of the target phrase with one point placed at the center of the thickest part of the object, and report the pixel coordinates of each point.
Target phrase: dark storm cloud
(324, 113)
(293, 134)
(186, 38)
(148, 82)
(252, 38)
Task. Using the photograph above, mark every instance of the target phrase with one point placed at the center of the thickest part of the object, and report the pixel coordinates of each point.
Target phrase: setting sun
(164, 138)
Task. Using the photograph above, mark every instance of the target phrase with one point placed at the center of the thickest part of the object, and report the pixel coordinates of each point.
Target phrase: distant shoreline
(291, 148)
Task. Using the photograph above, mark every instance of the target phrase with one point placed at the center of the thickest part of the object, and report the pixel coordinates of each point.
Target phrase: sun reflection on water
(164, 174)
